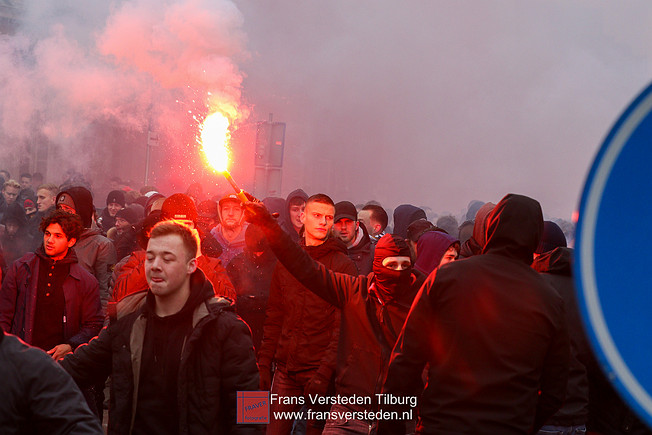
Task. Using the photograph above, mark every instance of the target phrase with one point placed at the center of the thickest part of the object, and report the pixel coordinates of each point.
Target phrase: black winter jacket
(301, 330)
(216, 362)
(556, 267)
(494, 335)
(362, 254)
(368, 328)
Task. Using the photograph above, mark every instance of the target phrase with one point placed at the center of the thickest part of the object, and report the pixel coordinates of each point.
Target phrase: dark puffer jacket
(368, 328)
(494, 335)
(82, 300)
(217, 361)
(302, 330)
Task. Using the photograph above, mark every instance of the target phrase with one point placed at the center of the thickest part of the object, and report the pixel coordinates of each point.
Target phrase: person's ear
(192, 265)
(71, 242)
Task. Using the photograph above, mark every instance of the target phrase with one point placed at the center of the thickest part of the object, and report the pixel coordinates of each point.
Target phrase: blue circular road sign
(613, 264)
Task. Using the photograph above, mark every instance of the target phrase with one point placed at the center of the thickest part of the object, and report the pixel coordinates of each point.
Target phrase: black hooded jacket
(493, 333)
(362, 254)
(556, 267)
(217, 360)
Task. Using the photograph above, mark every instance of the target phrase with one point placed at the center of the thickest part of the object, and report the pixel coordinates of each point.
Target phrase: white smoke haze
(91, 79)
(441, 102)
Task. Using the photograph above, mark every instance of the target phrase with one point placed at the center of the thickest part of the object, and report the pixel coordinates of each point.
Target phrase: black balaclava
(390, 283)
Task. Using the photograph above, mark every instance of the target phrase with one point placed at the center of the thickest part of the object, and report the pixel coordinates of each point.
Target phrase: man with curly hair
(47, 298)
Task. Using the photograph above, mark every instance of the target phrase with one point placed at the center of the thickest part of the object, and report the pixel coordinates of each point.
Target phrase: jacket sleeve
(106, 259)
(239, 370)
(329, 360)
(130, 278)
(222, 285)
(335, 288)
(8, 296)
(91, 313)
(273, 322)
(555, 374)
(56, 406)
(91, 362)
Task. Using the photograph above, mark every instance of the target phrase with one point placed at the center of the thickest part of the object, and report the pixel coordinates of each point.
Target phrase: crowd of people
(182, 301)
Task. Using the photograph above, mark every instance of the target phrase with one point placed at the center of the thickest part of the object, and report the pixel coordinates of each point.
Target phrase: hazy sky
(437, 103)
(433, 103)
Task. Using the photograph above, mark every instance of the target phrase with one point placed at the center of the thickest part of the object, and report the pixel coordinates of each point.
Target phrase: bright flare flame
(215, 138)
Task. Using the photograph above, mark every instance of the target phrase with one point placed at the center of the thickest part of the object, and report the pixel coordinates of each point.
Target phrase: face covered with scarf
(390, 283)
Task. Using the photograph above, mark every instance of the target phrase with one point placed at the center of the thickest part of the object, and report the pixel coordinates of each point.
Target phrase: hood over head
(404, 215)
(473, 246)
(473, 208)
(16, 214)
(559, 261)
(431, 247)
(298, 193)
(82, 199)
(553, 237)
(514, 228)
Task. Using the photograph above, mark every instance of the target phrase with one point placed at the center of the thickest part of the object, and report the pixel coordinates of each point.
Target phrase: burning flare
(215, 137)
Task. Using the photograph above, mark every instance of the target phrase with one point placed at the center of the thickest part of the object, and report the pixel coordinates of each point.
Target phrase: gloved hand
(256, 213)
(250, 197)
(318, 384)
(265, 377)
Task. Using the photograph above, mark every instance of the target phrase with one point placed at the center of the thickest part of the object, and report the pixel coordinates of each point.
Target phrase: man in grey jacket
(94, 251)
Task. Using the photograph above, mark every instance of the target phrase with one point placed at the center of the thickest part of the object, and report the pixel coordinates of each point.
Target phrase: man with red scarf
(374, 308)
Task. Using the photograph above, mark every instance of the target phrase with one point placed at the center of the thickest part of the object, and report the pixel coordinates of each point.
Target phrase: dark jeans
(291, 384)
(348, 427)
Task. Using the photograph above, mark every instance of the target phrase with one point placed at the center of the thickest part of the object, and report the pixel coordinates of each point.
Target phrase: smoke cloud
(437, 102)
(91, 79)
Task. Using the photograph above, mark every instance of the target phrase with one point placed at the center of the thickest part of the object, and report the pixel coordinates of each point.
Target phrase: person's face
(121, 224)
(231, 214)
(345, 229)
(113, 208)
(25, 182)
(397, 263)
(55, 242)
(295, 214)
(450, 255)
(167, 266)
(10, 193)
(44, 199)
(12, 228)
(317, 219)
